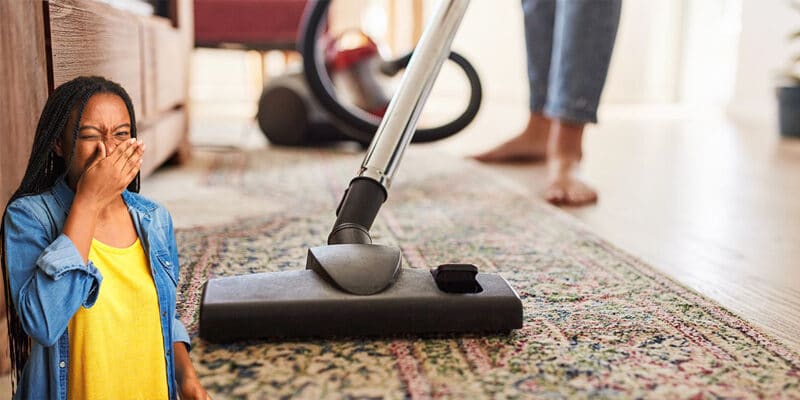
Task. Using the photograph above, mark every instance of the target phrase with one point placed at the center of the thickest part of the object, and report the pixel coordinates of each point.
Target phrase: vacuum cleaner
(351, 286)
(312, 112)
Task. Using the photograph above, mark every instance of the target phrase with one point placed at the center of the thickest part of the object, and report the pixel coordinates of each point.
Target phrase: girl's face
(105, 120)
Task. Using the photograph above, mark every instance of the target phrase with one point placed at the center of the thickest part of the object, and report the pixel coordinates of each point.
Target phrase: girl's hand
(190, 389)
(108, 175)
(188, 383)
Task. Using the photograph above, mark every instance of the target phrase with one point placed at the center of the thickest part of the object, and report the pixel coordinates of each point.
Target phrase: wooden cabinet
(46, 43)
(167, 80)
(23, 88)
(90, 38)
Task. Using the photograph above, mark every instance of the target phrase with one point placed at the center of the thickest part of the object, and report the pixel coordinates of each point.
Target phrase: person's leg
(531, 144)
(583, 40)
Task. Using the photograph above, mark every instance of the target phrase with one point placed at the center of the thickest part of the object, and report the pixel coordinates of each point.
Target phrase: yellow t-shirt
(116, 348)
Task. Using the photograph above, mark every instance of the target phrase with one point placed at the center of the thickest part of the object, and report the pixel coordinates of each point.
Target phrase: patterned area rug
(598, 322)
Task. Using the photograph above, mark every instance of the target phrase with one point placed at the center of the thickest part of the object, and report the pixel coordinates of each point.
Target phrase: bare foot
(530, 145)
(564, 188)
(564, 153)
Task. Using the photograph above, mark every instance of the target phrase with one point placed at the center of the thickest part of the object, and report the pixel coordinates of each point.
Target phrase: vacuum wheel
(283, 116)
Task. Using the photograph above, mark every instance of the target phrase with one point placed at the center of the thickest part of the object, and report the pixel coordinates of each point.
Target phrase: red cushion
(253, 23)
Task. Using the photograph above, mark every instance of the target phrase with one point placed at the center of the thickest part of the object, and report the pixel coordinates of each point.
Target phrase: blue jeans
(569, 44)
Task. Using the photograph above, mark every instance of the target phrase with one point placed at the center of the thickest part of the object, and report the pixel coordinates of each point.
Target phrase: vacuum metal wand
(400, 121)
(368, 190)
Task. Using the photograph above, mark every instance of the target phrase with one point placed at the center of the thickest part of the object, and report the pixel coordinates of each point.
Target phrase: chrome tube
(400, 121)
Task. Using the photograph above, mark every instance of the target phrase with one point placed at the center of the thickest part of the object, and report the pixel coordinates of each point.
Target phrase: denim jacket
(49, 282)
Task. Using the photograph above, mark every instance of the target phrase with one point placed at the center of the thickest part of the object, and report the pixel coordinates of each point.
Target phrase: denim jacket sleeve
(179, 333)
(48, 280)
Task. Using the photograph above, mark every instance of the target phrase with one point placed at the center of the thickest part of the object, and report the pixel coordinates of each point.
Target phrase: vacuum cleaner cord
(363, 129)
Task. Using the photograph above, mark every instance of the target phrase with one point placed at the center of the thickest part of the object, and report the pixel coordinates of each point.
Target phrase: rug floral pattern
(598, 322)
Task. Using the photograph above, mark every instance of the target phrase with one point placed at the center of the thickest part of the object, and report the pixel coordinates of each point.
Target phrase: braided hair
(44, 168)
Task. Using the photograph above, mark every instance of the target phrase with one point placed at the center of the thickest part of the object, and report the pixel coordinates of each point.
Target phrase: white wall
(491, 37)
(763, 52)
(711, 31)
(645, 66)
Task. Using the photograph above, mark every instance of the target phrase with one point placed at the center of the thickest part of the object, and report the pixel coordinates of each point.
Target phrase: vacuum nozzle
(361, 269)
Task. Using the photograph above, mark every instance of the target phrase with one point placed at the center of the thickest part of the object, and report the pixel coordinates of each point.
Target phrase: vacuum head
(313, 302)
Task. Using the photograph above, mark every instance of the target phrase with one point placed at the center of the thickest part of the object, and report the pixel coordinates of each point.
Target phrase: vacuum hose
(362, 127)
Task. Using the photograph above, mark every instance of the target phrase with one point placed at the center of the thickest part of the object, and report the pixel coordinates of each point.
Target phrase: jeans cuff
(537, 101)
(572, 113)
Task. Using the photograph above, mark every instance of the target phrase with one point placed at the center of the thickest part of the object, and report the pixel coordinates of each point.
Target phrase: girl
(91, 267)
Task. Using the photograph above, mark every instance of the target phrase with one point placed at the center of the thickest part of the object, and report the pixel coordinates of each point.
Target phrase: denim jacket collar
(63, 194)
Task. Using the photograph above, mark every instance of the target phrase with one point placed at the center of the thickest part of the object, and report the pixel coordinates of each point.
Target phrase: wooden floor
(713, 204)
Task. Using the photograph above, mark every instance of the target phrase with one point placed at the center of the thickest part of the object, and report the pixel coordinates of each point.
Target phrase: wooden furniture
(23, 88)
(46, 43)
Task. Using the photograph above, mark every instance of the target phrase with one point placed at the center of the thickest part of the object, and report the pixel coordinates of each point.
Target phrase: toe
(489, 156)
(580, 194)
(555, 194)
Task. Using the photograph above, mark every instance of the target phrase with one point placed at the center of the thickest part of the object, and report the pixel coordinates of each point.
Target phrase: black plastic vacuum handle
(357, 211)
